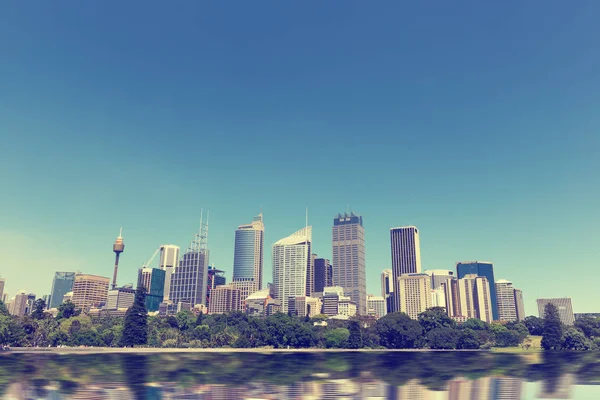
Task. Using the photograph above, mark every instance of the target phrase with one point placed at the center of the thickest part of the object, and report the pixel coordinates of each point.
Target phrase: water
(343, 375)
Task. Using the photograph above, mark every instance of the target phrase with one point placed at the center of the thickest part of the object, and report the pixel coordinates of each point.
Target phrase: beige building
(304, 305)
(224, 299)
(475, 298)
(18, 306)
(505, 299)
(2, 282)
(89, 290)
(519, 305)
(564, 306)
(414, 291)
(376, 306)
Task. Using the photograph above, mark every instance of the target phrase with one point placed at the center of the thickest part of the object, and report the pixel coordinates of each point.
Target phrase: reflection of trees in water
(298, 371)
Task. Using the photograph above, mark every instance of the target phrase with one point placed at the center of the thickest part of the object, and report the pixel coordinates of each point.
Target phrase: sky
(476, 122)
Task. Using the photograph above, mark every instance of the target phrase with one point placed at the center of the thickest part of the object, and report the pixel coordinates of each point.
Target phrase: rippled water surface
(344, 375)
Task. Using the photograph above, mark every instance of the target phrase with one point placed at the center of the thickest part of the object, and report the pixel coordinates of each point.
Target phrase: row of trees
(433, 329)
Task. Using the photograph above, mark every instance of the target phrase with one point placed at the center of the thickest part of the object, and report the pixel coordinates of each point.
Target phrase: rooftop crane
(151, 259)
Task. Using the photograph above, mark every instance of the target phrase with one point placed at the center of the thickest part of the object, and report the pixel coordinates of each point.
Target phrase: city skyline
(476, 124)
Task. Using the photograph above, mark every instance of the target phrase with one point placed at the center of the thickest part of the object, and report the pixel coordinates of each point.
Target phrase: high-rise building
(89, 290)
(61, 285)
(505, 299)
(291, 259)
(376, 306)
(18, 306)
(520, 305)
(169, 258)
(216, 277)
(153, 282)
(451, 291)
(2, 283)
(224, 299)
(414, 292)
(348, 241)
(189, 281)
(480, 268)
(475, 297)
(406, 256)
(439, 276)
(387, 289)
(248, 257)
(438, 296)
(564, 306)
(323, 274)
(310, 275)
(120, 298)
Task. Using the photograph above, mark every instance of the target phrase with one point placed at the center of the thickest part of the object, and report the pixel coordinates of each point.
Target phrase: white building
(414, 292)
(291, 259)
(438, 297)
(169, 258)
(376, 306)
(475, 297)
(439, 276)
(331, 297)
(505, 299)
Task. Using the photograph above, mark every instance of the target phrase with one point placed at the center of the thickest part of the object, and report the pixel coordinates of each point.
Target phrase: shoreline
(154, 350)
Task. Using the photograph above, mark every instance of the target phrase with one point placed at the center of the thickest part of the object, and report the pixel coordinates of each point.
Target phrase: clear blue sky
(478, 123)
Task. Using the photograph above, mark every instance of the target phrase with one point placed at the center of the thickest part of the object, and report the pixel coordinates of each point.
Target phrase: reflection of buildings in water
(465, 389)
(558, 388)
(374, 390)
(413, 390)
(340, 389)
(506, 388)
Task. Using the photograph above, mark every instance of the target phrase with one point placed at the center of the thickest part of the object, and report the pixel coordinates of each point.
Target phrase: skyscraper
(323, 274)
(406, 255)
(519, 304)
(189, 281)
(480, 268)
(376, 306)
(291, 259)
(224, 299)
(169, 258)
(89, 290)
(439, 276)
(2, 282)
(153, 282)
(248, 257)
(216, 277)
(475, 297)
(348, 240)
(505, 299)
(61, 285)
(387, 289)
(564, 306)
(18, 306)
(414, 293)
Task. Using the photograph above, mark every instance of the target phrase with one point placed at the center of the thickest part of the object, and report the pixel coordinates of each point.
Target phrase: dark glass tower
(61, 285)
(323, 274)
(480, 268)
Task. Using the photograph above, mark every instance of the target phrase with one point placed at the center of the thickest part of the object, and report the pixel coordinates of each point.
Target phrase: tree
(355, 340)
(3, 309)
(398, 331)
(589, 326)
(38, 309)
(474, 324)
(443, 338)
(552, 335)
(66, 310)
(435, 317)
(199, 319)
(336, 338)
(576, 340)
(135, 330)
(535, 325)
(468, 340)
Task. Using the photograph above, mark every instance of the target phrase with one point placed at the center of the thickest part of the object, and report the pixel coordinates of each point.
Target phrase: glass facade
(243, 259)
(481, 268)
(188, 283)
(153, 281)
(323, 274)
(61, 285)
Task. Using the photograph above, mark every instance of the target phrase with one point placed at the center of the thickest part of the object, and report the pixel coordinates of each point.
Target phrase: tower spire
(118, 248)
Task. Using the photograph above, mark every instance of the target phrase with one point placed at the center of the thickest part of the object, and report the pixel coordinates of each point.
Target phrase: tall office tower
(291, 259)
(2, 283)
(169, 258)
(376, 306)
(118, 248)
(18, 306)
(310, 275)
(323, 274)
(451, 291)
(439, 276)
(89, 290)
(387, 289)
(475, 297)
(61, 285)
(438, 297)
(348, 240)
(224, 299)
(564, 306)
(414, 293)
(248, 257)
(505, 299)
(153, 282)
(480, 268)
(216, 277)
(520, 305)
(406, 256)
(189, 281)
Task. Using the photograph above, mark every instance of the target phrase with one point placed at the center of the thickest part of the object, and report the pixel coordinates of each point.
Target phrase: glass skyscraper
(291, 258)
(248, 257)
(189, 281)
(348, 245)
(406, 256)
(153, 281)
(481, 268)
(323, 274)
(61, 285)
